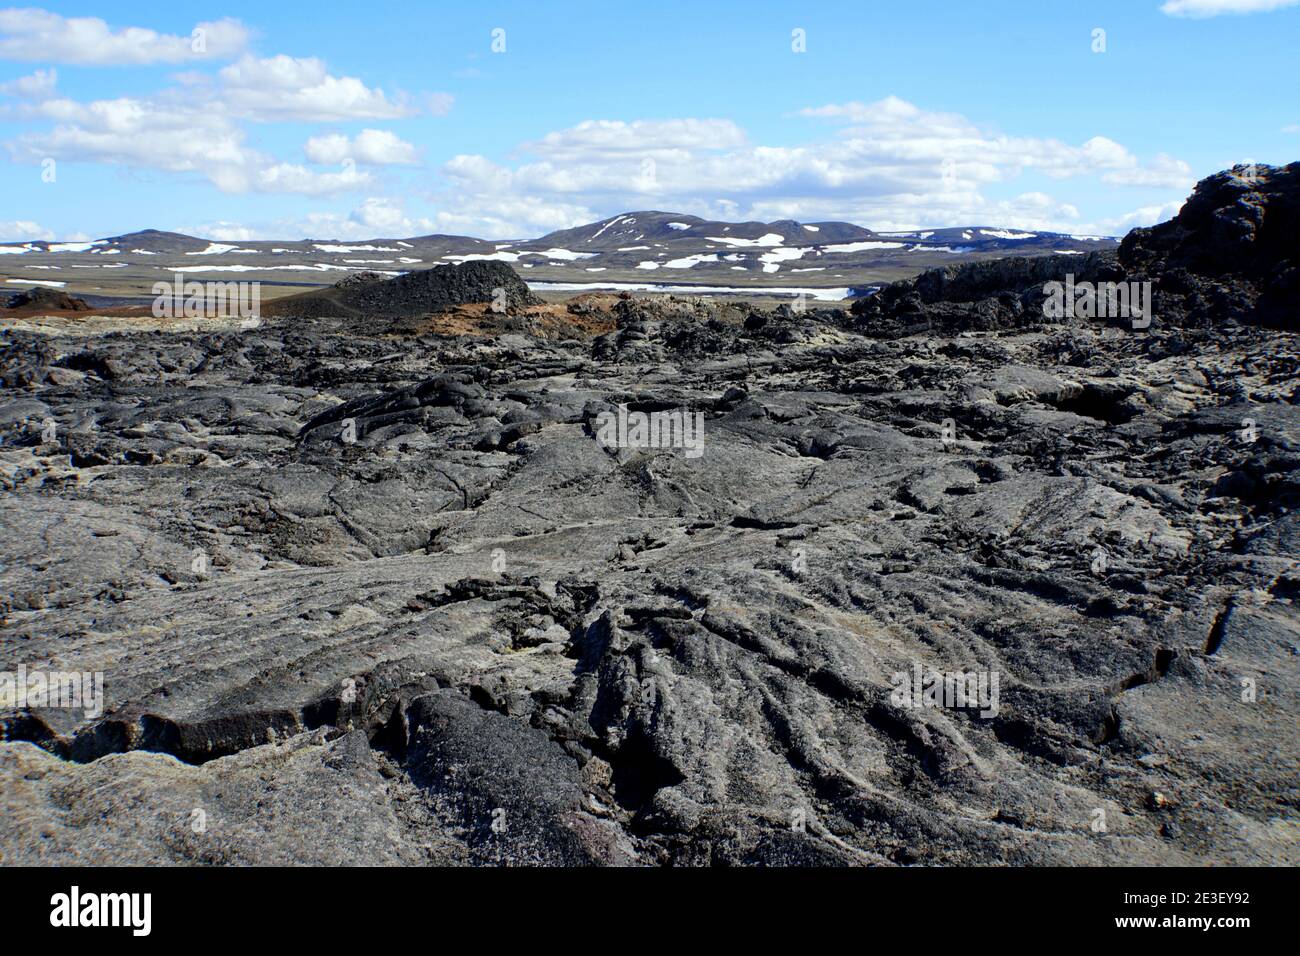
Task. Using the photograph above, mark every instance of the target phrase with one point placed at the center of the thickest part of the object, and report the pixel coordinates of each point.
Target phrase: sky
(287, 120)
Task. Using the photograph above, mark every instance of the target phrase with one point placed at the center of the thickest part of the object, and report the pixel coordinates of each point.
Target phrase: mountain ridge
(814, 233)
(640, 249)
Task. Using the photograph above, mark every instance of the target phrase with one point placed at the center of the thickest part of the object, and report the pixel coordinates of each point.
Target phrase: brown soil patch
(547, 321)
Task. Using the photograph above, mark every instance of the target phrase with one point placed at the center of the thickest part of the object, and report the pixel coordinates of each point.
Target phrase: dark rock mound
(1232, 248)
(357, 279)
(41, 297)
(440, 287)
(369, 295)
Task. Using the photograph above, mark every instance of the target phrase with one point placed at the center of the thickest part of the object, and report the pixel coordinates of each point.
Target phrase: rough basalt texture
(464, 631)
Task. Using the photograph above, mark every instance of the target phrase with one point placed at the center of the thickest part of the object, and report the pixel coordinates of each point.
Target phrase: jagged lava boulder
(1230, 255)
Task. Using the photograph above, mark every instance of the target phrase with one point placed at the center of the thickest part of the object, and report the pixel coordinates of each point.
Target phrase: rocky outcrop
(1232, 252)
(1228, 256)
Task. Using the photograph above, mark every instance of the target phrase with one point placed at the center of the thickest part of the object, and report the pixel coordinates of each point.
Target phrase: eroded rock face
(366, 598)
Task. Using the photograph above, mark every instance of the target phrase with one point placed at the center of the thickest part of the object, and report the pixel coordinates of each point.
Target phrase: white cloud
(1212, 8)
(331, 148)
(1163, 171)
(22, 230)
(1145, 216)
(198, 128)
(902, 134)
(283, 88)
(144, 134)
(890, 165)
(224, 231)
(291, 178)
(376, 147)
(30, 34)
(509, 217)
(439, 104)
(40, 85)
(376, 217)
(641, 137)
(384, 217)
(388, 218)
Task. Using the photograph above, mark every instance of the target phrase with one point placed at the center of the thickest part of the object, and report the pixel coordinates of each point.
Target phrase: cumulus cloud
(225, 231)
(387, 217)
(199, 127)
(888, 164)
(145, 134)
(510, 217)
(141, 134)
(1163, 171)
(376, 217)
(291, 178)
(641, 137)
(27, 33)
(40, 85)
(1200, 9)
(283, 87)
(1144, 216)
(376, 147)
(909, 139)
(22, 230)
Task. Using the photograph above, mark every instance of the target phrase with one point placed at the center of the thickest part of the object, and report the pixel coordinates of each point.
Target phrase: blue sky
(390, 118)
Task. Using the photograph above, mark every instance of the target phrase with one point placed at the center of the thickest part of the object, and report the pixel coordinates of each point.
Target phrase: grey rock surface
(392, 599)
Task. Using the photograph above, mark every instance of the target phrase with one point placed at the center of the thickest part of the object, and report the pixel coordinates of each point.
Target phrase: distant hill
(155, 241)
(630, 250)
(679, 230)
